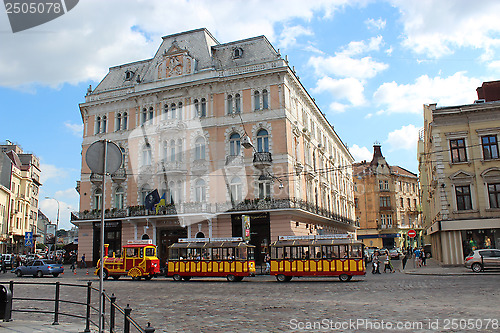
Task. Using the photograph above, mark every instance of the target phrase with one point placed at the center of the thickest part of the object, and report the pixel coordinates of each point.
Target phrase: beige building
(19, 187)
(460, 175)
(387, 203)
(220, 131)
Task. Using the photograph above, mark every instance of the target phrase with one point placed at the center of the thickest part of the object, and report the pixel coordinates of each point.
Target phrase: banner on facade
(50, 234)
(245, 226)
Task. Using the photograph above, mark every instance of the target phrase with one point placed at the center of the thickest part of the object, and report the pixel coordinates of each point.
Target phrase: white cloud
(82, 44)
(360, 153)
(409, 98)
(437, 28)
(404, 138)
(350, 89)
(377, 24)
(76, 129)
(289, 35)
(50, 207)
(49, 171)
(359, 47)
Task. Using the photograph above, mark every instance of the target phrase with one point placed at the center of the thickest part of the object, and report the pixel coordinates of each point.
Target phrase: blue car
(39, 268)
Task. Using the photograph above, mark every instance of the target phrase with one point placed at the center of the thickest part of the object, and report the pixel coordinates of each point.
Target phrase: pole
(101, 270)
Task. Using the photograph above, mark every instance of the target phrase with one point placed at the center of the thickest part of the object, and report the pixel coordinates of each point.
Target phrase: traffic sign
(28, 239)
(412, 233)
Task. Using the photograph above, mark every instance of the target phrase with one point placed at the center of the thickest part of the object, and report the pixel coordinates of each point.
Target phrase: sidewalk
(24, 326)
(433, 267)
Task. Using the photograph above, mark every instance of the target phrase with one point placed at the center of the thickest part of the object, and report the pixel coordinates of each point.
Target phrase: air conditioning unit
(246, 142)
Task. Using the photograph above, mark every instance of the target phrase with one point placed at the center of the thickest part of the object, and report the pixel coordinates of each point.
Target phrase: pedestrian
(417, 257)
(405, 259)
(84, 264)
(387, 263)
(2, 265)
(376, 263)
(267, 260)
(72, 260)
(423, 258)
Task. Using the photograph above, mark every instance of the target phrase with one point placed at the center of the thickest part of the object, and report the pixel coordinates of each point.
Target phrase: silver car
(479, 260)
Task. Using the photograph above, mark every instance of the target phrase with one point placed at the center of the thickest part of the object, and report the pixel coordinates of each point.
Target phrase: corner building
(459, 166)
(221, 131)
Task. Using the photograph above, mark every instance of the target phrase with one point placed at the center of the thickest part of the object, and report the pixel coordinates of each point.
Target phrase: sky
(370, 65)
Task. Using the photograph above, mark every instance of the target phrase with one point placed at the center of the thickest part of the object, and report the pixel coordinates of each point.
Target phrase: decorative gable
(491, 175)
(175, 62)
(461, 175)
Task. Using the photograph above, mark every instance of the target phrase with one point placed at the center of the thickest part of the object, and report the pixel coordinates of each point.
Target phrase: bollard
(56, 304)
(87, 320)
(126, 324)
(112, 313)
(149, 329)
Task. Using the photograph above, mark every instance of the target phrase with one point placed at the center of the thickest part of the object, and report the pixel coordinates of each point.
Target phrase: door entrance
(168, 237)
(260, 233)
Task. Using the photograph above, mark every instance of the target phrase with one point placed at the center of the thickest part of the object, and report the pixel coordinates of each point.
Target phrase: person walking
(387, 263)
(83, 262)
(405, 259)
(267, 260)
(376, 263)
(2, 265)
(72, 260)
(423, 257)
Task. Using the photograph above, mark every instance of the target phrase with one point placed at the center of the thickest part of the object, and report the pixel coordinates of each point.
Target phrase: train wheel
(239, 278)
(288, 278)
(281, 278)
(231, 278)
(115, 277)
(344, 277)
(177, 277)
(148, 277)
(186, 278)
(136, 278)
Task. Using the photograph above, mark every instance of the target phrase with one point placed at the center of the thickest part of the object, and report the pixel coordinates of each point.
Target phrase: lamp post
(57, 222)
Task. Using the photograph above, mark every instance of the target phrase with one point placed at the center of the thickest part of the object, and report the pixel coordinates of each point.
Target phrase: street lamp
(57, 222)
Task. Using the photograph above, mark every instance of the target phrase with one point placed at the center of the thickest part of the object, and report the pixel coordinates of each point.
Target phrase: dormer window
(129, 75)
(237, 53)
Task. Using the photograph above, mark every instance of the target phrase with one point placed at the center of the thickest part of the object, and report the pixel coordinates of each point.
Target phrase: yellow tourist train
(222, 257)
(319, 255)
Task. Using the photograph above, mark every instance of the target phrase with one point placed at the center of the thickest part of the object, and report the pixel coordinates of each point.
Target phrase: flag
(161, 203)
(151, 200)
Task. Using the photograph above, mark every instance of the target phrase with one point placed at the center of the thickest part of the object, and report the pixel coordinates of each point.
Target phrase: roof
(315, 242)
(209, 245)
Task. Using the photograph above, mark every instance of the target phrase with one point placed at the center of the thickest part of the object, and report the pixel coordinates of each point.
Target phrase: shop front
(480, 239)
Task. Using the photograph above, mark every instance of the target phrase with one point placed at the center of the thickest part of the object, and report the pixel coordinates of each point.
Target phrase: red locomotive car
(138, 260)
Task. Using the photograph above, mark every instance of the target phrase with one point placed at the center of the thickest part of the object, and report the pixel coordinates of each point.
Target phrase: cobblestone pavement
(403, 302)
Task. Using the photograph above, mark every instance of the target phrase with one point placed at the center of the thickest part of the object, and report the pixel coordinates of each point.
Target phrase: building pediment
(491, 174)
(461, 175)
(175, 62)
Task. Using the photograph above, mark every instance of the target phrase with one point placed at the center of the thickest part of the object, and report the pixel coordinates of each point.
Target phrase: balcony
(95, 178)
(171, 168)
(119, 176)
(199, 167)
(262, 160)
(234, 161)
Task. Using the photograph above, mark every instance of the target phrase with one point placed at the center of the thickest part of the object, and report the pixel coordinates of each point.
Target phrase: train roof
(186, 245)
(304, 242)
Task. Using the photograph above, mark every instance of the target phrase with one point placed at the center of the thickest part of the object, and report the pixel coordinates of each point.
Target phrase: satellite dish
(95, 157)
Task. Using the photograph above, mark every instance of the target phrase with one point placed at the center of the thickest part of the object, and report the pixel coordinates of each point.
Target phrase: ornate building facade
(220, 131)
(19, 189)
(459, 166)
(387, 203)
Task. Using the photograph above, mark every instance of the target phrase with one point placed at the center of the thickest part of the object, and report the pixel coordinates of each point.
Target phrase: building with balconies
(387, 203)
(459, 167)
(19, 190)
(220, 131)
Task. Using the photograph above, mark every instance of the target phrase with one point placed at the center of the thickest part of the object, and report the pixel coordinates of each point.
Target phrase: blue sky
(370, 65)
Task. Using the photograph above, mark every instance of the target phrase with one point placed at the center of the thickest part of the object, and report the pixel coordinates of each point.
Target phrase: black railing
(86, 311)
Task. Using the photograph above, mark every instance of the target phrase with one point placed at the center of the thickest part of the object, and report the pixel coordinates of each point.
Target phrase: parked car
(395, 254)
(428, 250)
(39, 268)
(8, 260)
(479, 260)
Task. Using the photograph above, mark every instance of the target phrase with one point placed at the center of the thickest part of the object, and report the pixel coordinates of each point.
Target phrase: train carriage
(320, 255)
(217, 257)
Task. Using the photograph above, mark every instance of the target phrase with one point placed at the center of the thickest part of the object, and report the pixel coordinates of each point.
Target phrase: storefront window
(480, 239)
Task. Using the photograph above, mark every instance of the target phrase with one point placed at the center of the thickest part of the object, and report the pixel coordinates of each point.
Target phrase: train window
(355, 251)
(287, 252)
(182, 254)
(217, 253)
(141, 253)
(250, 253)
(132, 252)
(150, 252)
(277, 253)
(174, 254)
(305, 254)
(316, 252)
(344, 251)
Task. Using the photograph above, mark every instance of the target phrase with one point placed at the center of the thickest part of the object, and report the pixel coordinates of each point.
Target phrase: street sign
(412, 233)
(28, 238)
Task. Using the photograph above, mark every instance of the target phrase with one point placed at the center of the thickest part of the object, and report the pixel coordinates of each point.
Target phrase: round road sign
(412, 233)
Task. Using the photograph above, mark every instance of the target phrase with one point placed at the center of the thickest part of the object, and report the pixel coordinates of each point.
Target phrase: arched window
(264, 189)
(179, 150)
(165, 151)
(256, 100)
(146, 155)
(125, 120)
(234, 144)
(118, 125)
(179, 110)
(203, 107)
(172, 111)
(104, 124)
(237, 103)
(145, 190)
(180, 193)
(97, 198)
(171, 193)
(165, 112)
(229, 104)
(235, 188)
(200, 235)
(196, 108)
(172, 150)
(144, 117)
(97, 125)
(199, 150)
(119, 196)
(200, 191)
(151, 113)
(265, 99)
(262, 141)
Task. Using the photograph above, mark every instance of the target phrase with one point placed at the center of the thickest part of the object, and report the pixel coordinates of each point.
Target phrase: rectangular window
(385, 202)
(402, 203)
(386, 185)
(458, 152)
(490, 147)
(380, 185)
(389, 220)
(494, 195)
(464, 201)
